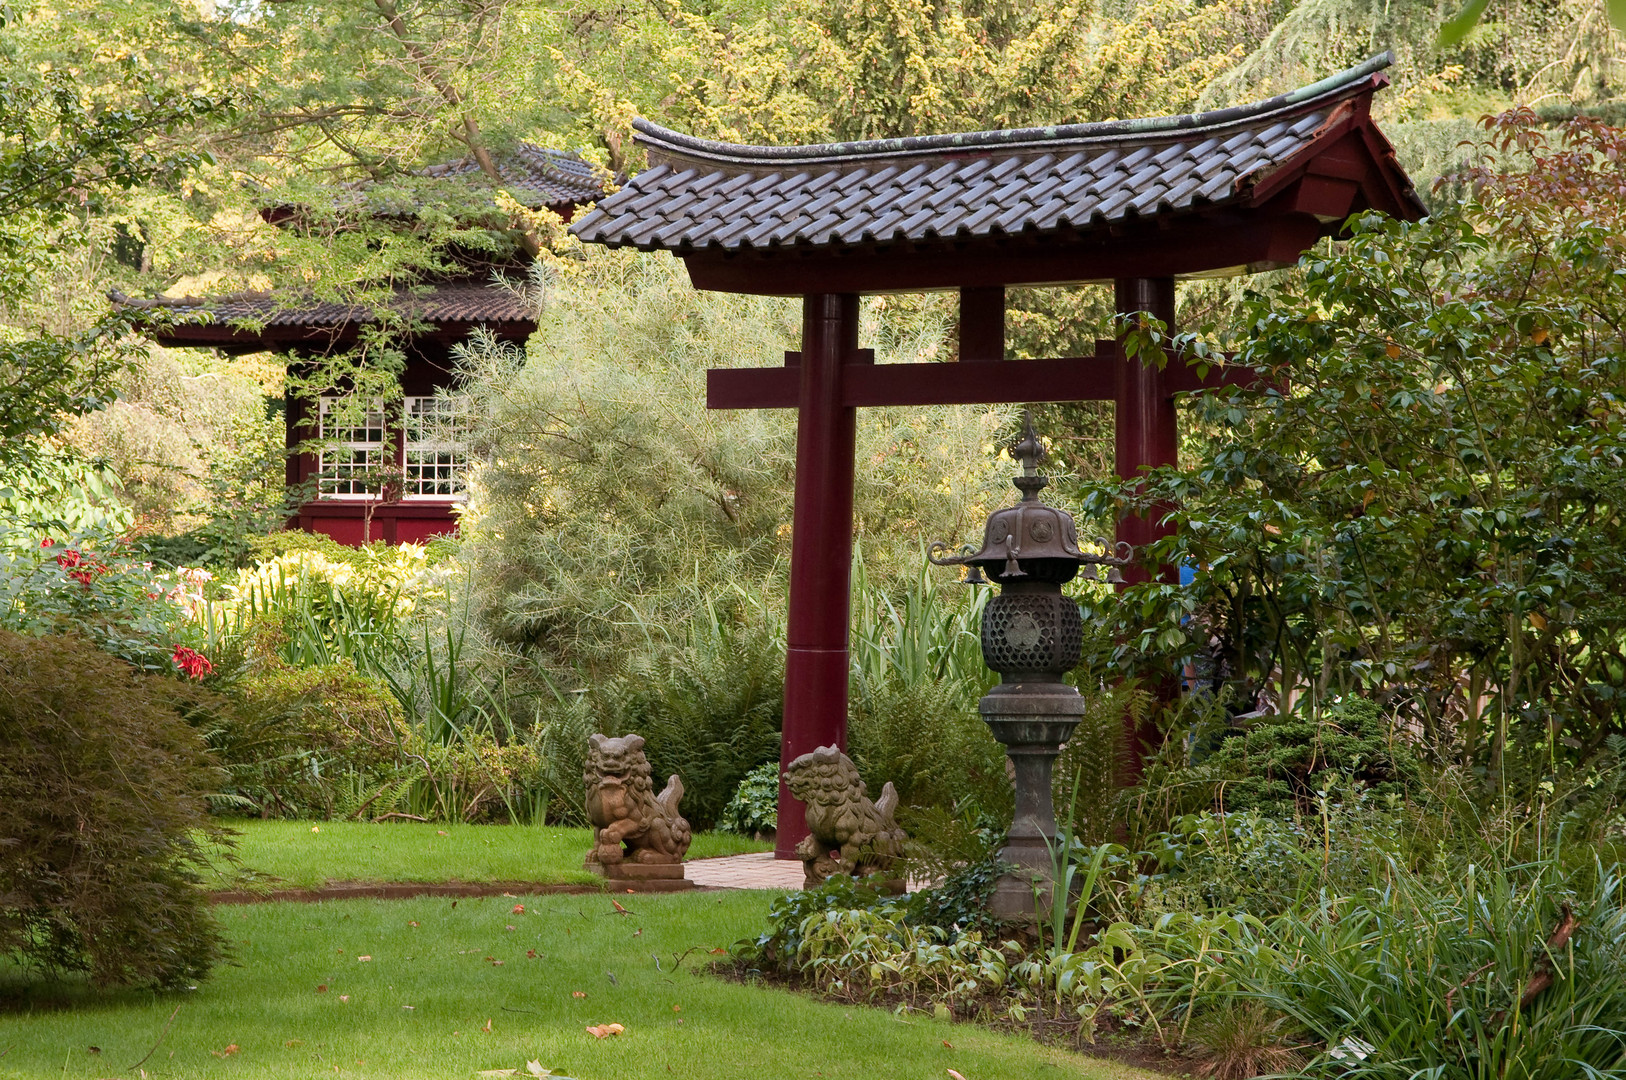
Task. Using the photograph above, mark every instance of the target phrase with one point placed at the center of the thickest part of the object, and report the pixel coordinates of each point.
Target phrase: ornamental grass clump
(104, 824)
(1495, 971)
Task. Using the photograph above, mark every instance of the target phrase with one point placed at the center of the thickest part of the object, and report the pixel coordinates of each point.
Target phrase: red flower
(71, 557)
(47, 542)
(192, 664)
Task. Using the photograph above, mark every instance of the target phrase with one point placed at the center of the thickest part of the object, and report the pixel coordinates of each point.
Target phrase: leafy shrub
(294, 739)
(1280, 764)
(103, 818)
(96, 587)
(709, 712)
(754, 809)
(926, 737)
(1240, 860)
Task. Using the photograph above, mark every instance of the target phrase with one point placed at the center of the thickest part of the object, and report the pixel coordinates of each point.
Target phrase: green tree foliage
(103, 819)
(193, 444)
(1425, 506)
(62, 152)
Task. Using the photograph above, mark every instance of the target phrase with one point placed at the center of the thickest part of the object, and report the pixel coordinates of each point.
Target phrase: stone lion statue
(848, 834)
(630, 822)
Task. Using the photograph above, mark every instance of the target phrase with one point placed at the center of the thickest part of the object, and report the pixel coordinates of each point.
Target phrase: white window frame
(337, 453)
(441, 448)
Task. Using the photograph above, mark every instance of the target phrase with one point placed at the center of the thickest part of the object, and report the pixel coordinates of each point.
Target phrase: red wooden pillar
(1148, 435)
(816, 664)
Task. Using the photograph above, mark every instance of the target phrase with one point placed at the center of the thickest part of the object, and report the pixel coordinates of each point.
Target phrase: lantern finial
(1029, 451)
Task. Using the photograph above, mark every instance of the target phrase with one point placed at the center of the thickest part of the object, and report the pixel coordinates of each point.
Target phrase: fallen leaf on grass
(322, 989)
(292, 1043)
(578, 993)
(412, 922)
(228, 1052)
(487, 1028)
(955, 1075)
(677, 1008)
(496, 963)
(344, 997)
(519, 909)
(604, 1031)
(530, 954)
(510, 926)
(948, 1044)
(93, 1049)
(363, 959)
(719, 951)
(316, 828)
(440, 832)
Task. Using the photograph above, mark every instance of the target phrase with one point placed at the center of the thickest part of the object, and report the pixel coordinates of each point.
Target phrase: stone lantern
(1032, 635)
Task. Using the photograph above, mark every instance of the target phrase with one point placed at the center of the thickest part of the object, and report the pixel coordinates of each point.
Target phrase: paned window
(352, 448)
(436, 446)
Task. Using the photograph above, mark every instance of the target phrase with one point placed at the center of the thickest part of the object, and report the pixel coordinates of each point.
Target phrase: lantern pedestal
(1032, 721)
(1032, 634)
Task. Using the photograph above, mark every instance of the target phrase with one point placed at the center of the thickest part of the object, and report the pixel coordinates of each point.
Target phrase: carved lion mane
(848, 834)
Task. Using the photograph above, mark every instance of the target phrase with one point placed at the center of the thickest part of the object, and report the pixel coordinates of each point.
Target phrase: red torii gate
(1135, 202)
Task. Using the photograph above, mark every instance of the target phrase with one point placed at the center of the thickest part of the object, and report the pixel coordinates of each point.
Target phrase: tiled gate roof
(701, 195)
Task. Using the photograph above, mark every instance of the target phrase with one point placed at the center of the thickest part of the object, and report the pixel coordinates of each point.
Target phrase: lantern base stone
(1032, 721)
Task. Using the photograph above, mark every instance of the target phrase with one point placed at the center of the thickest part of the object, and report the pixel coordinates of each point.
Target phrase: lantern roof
(932, 208)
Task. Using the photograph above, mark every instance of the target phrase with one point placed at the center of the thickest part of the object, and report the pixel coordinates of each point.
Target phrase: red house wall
(428, 370)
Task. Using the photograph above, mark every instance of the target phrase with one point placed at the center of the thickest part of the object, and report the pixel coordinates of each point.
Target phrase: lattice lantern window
(353, 446)
(436, 452)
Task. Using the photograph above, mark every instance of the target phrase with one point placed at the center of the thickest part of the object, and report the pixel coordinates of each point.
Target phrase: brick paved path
(759, 870)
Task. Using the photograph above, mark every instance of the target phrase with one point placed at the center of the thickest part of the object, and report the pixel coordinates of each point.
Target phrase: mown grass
(450, 990)
(310, 854)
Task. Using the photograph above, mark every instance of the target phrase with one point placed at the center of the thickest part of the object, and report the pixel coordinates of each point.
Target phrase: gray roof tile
(701, 194)
(459, 300)
(537, 176)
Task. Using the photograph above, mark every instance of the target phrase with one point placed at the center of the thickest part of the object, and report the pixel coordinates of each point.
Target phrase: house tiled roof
(700, 195)
(218, 319)
(537, 176)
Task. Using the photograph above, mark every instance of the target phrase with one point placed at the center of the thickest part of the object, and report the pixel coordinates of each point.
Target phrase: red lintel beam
(1074, 378)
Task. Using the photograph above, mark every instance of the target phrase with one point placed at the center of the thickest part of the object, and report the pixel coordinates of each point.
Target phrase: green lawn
(452, 989)
(310, 854)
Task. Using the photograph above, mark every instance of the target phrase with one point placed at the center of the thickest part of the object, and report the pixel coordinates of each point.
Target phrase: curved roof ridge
(678, 144)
